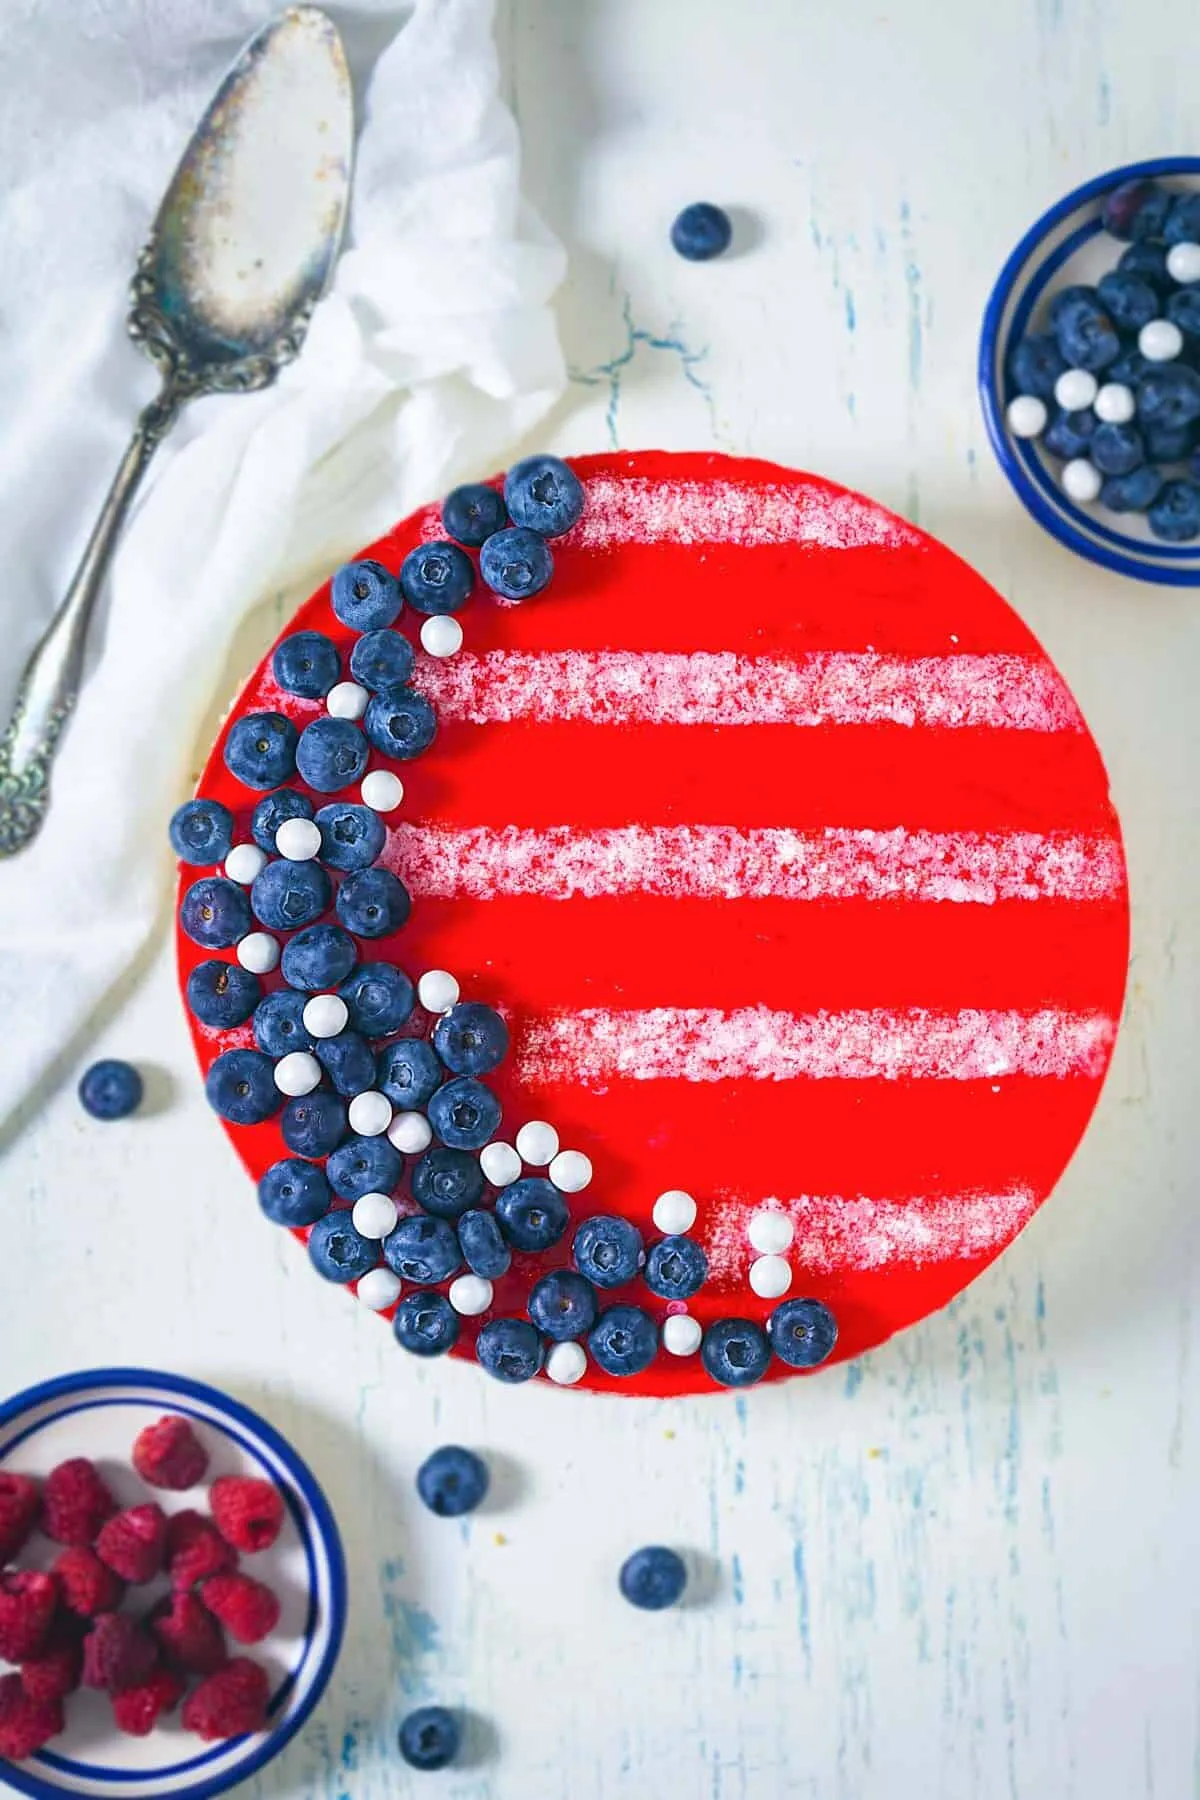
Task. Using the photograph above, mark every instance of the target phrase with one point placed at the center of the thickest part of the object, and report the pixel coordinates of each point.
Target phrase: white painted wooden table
(961, 1568)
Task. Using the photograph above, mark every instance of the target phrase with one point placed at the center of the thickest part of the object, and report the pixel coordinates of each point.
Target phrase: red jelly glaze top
(861, 949)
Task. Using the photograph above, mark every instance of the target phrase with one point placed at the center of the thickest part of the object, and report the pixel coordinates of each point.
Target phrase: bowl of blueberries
(1089, 370)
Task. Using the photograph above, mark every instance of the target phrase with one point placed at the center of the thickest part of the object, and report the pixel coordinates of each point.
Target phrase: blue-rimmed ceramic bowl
(1069, 244)
(98, 1414)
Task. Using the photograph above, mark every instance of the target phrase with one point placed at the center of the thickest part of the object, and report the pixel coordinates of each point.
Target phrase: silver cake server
(242, 247)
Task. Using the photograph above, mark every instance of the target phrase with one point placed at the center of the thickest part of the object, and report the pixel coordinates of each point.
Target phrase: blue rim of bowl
(1157, 562)
(278, 1735)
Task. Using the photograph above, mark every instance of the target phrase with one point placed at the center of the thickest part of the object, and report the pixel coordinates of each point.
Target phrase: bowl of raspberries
(172, 1588)
(1089, 370)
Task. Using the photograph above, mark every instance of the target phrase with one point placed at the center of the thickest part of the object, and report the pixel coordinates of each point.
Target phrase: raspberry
(75, 1503)
(117, 1653)
(189, 1635)
(54, 1672)
(133, 1543)
(136, 1710)
(170, 1455)
(247, 1609)
(195, 1548)
(19, 1508)
(25, 1724)
(232, 1701)
(28, 1602)
(87, 1586)
(248, 1513)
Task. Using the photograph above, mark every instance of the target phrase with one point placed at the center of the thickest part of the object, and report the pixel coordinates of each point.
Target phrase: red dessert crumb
(25, 1724)
(28, 1602)
(117, 1653)
(231, 1702)
(195, 1548)
(75, 1502)
(137, 1710)
(246, 1608)
(55, 1671)
(248, 1513)
(170, 1455)
(20, 1504)
(86, 1585)
(134, 1543)
(189, 1634)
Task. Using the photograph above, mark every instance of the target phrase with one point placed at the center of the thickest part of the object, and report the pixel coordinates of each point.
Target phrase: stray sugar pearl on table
(373, 1215)
(258, 951)
(770, 1232)
(1114, 403)
(297, 1073)
(566, 1364)
(1027, 416)
(441, 635)
(770, 1276)
(1075, 389)
(681, 1334)
(674, 1212)
(1081, 479)
(537, 1143)
(245, 863)
(410, 1133)
(500, 1163)
(470, 1295)
(370, 1113)
(1160, 341)
(378, 1289)
(437, 991)
(1183, 263)
(325, 1015)
(298, 840)
(347, 700)
(381, 790)
(570, 1171)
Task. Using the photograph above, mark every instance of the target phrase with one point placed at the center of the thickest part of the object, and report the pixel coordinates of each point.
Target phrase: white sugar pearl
(410, 1132)
(1027, 416)
(369, 1113)
(681, 1334)
(1160, 341)
(565, 1364)
(373, 1215)
(1081, 479)
(1183, 262)
(437, 991)
(570, 1171)
(500, 1163)
(674, 1212)
(245, 863)
(470, 1295)
(441, 635)
(325, 1015)
(770, 1276)
(258, 951)
(770, 1232)
(298, 1072)
(378, 1288)
(1115, 403)
(381, 790)
(346, 700)
(537, 1143)
(298, 840)
(1075, 389)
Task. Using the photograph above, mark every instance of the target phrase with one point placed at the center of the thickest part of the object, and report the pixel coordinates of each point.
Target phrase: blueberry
(222, 994)
(437, 578)
(351, 836)
(802, 1333)
(1129, 368)
(279, 1023)
(1086, 335)
(608, 1250)
(701, 231)
(1116, 449)
(381, 659)
(241, 1087)
(261, 749)
(447, 1183)
(110, 1089)
(563, 1305)
(1070, 433)
(532, 1213)
(307, 664)
(544, 495)
(464, 1113)
(318, 957)
(1183, 309)
(1182, 224)
(379, 998)
(364, 1165)
(287, 895)
(272, 810)
(349, 1062)
(735, 1352)
(1137, 209)
(332, 754)
(425, 1323)
(293, 1192)
(452, 1481)
(400, 723)
(1034, 365)
(1166, 443)
(676, 1268)
(1175, 514)
(338, 1252)
(420, 1248)
(1149, 261)
(1133, 492)
(516, 563)
(624, 1340)
(365, 597)
(314, 1124)
(653, 1578)
(408, 1072)
(373, 903)
(484, 1250)
(1129, 301)
(215, 913)
(1168, 396)
(509, 1349)
(430, 1737)
(201, 832)
(471, 513)
(471, 1039)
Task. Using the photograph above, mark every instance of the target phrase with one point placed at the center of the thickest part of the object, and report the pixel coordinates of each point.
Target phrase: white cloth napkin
(434, 353)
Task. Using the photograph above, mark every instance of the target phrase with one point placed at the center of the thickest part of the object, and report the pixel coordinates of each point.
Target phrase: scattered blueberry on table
(653, 1578)
(701, 231)
(110, 1089)
(452, 1481)
(430, 1738)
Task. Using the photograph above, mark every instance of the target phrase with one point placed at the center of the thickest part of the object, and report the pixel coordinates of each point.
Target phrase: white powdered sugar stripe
(599, 1045)
(617, 687)
(722, 862)
(633, 509)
